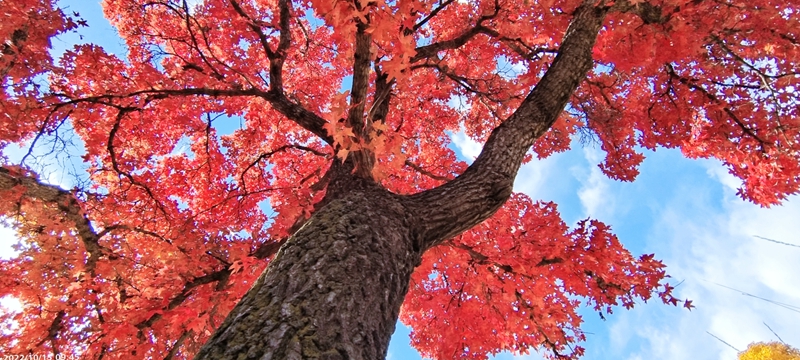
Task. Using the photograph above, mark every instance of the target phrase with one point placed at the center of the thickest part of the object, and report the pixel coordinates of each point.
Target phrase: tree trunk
(334, 289)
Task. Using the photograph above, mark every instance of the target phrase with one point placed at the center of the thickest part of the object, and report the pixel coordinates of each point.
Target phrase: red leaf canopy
(167, 230)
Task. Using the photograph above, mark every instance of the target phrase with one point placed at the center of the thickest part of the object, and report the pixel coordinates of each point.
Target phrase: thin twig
(723, 341)
(775, 241)
(774, 333)
(783, 305)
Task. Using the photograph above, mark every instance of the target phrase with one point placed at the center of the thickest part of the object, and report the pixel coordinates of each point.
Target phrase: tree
(771, 350)
(372, 209)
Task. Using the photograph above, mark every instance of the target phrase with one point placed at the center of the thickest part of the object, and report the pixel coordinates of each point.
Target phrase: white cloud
(192, 4)
(593, 193)
(10, 304)
(7, 239)
(510, 70)
(722, 175)
(466, 145)
(710, 247)
(532, 177)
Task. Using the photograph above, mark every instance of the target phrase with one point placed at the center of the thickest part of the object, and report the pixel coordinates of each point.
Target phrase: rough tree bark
(335, 288)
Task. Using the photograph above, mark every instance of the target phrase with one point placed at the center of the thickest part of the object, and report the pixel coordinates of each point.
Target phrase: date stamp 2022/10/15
(38, 357)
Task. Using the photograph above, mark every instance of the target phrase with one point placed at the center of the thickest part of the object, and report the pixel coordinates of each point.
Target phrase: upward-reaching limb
(486, 184)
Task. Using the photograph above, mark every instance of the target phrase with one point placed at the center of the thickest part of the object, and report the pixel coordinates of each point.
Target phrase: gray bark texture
(334, 289)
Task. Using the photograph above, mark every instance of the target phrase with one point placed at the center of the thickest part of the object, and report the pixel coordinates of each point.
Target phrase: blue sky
(684, 211)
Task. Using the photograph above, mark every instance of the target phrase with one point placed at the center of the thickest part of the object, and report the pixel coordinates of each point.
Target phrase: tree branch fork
(442, 212)
(463, 201)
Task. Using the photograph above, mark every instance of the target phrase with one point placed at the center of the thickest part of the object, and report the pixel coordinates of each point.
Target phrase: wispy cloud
(533, 177)
(468, 147)
(594, 191)
(725, 270)
(7, 239)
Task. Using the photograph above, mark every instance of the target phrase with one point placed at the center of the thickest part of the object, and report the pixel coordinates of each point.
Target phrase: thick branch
(692, 85)
(188, 21)
(361, 67)
(285, 38)
(475, 86)
(481, 259)
(219, 276)
(69, 207)
(364, 160)
(115, 164)
(299, 114)
(278, 56)
(486, 184)
(293, 111)
(177, 345)
(269, 248)
(262, 37)
(64, 201)
(267, 155)
(427, 51)
(432, 14)
(276, 62)
(383, 95)
(427, 173)
(54, 329)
